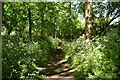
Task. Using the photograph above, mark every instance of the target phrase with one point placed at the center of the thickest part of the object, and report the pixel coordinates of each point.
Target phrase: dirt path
(57, 68)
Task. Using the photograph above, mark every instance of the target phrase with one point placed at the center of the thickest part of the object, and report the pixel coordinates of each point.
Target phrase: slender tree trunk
(42, 23)
(11, 28)
(30, 22)
(70, 21)
(70, 25)
(88, 20)
(1, 8)
(41, 13)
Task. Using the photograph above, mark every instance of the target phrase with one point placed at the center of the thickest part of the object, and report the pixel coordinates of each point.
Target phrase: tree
(104, 15)
(30, 21)
(88, 20)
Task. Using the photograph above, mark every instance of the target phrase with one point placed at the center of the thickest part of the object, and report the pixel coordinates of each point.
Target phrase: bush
(21, 59)
(97, 59)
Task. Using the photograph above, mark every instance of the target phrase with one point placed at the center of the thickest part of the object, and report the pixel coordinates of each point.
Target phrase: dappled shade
(60, 40)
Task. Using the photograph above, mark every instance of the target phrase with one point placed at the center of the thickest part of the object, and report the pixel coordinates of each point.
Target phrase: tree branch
(114, 17)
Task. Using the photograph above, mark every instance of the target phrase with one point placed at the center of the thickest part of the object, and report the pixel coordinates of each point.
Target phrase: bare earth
(57, 68)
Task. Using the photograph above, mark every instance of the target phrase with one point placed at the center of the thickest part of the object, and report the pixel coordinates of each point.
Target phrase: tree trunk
(11, 27)
(88, 20)
(30, 23)
(70, 20)
(10, 30)
(1, 8)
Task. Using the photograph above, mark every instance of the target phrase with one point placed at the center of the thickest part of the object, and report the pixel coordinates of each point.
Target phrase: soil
(57, 68)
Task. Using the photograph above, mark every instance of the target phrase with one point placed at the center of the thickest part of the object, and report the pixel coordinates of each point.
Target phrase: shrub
(97, 59)
(22, 59)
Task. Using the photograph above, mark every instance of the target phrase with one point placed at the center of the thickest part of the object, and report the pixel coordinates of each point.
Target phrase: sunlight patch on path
(58, 68)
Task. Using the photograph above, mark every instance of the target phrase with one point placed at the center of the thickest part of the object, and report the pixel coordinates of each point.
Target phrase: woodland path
(57, 68)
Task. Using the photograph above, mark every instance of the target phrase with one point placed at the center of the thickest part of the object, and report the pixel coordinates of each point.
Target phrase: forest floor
(57, 67)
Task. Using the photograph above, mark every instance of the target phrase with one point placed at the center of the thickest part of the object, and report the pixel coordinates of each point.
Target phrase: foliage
(54, 22)
(97, 59)
(53, 19)
(21, 59)
(104, 15)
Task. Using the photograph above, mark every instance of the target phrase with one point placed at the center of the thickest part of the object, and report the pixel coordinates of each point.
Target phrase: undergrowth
(24, 58)
(97, 59)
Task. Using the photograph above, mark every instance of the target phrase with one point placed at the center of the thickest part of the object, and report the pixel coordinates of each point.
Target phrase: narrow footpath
(57, 68)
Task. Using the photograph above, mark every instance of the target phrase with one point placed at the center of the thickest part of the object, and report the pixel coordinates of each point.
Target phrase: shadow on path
(57, 67)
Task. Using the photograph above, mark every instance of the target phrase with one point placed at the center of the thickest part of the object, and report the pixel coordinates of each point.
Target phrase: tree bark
(88, 20)
(30, 23)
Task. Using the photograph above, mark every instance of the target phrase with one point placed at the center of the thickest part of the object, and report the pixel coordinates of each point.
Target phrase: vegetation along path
(58, 68)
